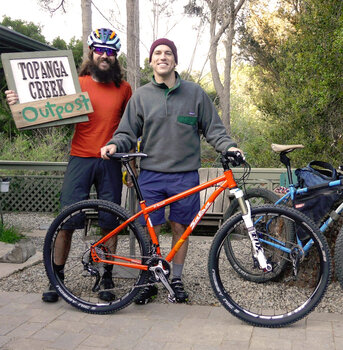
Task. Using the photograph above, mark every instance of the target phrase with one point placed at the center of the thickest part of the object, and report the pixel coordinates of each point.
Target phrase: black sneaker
(148, 294)
(50, 295)
(181, 295)
(106, 283)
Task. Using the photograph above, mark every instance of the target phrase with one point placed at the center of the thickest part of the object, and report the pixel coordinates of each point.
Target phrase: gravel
(33, 279)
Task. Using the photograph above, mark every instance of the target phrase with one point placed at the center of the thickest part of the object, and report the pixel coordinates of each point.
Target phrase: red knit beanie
(164, 41)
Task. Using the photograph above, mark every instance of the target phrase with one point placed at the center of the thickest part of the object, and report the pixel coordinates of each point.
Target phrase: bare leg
(62, 246)
(178, 262)
(111, 244)
(178, 230)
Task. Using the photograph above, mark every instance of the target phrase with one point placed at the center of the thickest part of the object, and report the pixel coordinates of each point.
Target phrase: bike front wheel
(238, 247)
(277, 302)
(95, 287)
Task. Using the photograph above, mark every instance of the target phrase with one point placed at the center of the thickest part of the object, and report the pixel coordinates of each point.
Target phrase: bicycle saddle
(285, 148)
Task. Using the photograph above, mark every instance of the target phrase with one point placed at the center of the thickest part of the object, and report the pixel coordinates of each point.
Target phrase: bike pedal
(171, 299)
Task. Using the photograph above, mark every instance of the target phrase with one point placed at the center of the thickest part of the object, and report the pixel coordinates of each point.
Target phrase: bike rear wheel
(86, 222)
(290, 297)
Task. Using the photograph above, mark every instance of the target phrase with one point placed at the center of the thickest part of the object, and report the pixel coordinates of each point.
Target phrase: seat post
(134, 179)
(287, 162)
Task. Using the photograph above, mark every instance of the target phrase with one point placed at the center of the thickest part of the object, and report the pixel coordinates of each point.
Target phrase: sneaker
(106, 283)
(50, 295)
(181, 295)
(148, 294)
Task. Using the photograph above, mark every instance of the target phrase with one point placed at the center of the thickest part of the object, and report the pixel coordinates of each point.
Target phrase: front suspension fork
(258, 251)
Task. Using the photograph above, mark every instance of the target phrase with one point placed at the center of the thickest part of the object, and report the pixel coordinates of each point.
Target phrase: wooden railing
(40, 193)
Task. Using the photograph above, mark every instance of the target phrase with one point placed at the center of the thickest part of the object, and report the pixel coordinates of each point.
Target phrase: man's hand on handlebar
(235, 155)
(111, 149)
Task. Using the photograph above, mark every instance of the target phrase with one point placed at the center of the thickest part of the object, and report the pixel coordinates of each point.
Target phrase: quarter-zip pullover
(169, 122)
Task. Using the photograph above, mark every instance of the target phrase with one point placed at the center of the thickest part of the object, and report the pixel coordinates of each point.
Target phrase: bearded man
(101, 77)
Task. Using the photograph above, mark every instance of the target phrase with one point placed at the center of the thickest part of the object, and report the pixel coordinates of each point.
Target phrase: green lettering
(78, 103)
(69, 107)
(32, 109)
(85, 101)
(59, 111)
(46, 115)
(49, 106)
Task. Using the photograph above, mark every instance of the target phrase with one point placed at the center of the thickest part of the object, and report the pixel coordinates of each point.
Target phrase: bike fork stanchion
(246, 215)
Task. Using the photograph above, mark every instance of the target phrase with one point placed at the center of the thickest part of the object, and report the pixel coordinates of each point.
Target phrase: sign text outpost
(47, 110)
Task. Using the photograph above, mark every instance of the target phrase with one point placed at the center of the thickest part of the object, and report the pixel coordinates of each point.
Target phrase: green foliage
(76, 46)
(299, 77)
(59, 43)
(123, 64)
(146, 72)
(9, 234)
(38, 145)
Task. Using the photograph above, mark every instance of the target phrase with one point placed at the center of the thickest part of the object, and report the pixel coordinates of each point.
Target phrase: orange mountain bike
(101, 236)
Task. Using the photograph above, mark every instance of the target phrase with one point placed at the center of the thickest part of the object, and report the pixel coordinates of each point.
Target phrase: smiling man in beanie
(168, 114)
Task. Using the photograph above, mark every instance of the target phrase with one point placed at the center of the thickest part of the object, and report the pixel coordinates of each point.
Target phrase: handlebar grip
(235, 157)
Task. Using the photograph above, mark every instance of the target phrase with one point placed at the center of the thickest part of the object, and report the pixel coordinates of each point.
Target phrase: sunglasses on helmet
(101, 50)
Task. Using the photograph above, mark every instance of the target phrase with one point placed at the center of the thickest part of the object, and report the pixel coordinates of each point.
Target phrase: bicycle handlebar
(126, 156)
(234, 157)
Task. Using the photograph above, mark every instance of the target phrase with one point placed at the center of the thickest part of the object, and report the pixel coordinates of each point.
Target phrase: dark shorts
(157, 186)
(79, 177)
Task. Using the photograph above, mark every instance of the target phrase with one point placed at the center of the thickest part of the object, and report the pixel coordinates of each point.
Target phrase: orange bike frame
(227, 180)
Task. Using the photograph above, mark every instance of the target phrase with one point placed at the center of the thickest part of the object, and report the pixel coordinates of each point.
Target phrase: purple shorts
(157, 186)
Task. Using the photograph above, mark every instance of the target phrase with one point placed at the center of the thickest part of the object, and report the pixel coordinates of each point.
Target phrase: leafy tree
(76, 46)
(59, 43)
(222, 16)
(146, 72)
(299, 77)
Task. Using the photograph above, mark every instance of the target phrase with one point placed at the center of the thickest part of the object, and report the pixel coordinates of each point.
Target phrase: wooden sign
(48, 89)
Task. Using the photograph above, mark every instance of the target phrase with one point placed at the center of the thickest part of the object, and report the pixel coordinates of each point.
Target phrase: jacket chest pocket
(188, 120)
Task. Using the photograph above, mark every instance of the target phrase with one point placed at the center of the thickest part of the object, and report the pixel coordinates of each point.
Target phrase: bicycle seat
(285, 148)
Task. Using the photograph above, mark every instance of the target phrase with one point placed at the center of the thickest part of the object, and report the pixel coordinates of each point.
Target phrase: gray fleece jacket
(169, 122)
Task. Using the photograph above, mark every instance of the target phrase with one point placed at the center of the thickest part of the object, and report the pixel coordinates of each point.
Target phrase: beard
(103, 76)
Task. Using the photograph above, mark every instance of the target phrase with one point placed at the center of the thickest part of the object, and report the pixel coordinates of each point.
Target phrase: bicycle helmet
(104, 37)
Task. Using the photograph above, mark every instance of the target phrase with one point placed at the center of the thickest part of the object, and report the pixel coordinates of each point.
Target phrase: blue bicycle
(282, 256)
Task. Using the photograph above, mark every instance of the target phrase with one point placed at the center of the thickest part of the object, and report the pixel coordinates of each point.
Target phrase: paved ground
(28, 323)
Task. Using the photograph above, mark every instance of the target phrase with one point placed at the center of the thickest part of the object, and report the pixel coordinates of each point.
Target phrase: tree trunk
(133, 56)
(86, 24)
(226, 30)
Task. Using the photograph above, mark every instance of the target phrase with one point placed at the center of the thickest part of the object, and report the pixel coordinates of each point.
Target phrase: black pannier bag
(316, 203)
(315, 173)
